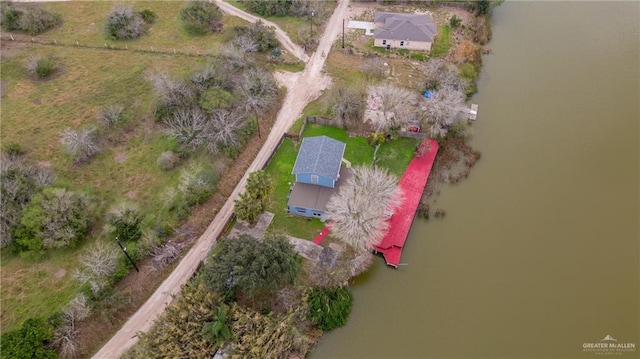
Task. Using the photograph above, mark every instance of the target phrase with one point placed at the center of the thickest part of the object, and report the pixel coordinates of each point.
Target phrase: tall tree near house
(357, 212)
(390, 107)
(441, 110)
(251, 268)
(259, 186)
(259, 91)
(247, 208)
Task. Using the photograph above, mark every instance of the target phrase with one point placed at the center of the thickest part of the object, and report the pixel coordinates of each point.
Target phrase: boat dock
(412, 184)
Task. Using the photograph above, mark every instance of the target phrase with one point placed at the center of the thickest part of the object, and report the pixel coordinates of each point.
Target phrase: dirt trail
(302, 89)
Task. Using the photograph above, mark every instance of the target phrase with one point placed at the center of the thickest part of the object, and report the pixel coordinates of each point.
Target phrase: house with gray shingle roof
(404, 31)
(319, 174)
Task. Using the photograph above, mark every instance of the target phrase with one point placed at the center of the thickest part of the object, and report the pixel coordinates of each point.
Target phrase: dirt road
(280, 34)
(303, 88)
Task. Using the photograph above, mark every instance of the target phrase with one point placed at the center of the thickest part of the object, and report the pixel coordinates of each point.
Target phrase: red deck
(412, 183)
(322, 235)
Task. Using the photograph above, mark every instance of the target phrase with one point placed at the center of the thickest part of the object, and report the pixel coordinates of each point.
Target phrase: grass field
(83, 21)
(34, 112)
(394, 155)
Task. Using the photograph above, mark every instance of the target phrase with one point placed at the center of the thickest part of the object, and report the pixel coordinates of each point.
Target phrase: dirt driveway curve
(303, 88)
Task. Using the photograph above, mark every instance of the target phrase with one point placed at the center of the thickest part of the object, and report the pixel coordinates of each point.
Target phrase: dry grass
(33, 114)
(84, 22)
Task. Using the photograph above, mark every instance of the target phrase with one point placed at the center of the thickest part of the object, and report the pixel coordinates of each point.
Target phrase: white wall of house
(403, 44)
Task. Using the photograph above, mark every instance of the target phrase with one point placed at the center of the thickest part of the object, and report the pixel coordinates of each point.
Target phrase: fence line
(105, 46)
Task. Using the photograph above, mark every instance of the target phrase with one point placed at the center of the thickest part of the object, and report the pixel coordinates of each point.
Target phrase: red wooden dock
(412, 183)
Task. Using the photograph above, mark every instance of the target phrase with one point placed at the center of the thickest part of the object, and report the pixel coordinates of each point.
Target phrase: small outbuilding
(404, 31)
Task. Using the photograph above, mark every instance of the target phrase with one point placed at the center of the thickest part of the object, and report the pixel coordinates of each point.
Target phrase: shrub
(32, 19)
(81, 144)
(167, 160)
(124, 24)
(216, 98)
(19, 182)
(124, 222)
(54, 218)
(196, 183)
(30, 341)
(110, 115)
(13, 149)
(454, 21)
(41, 67)
(329, 308)
(201, 17)
(64, 336)
(148, 16)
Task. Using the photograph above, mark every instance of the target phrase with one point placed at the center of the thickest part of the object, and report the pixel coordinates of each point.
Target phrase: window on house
(316, 214)
(384, 42)
(314, 178)
(401, 43)
(301, 210)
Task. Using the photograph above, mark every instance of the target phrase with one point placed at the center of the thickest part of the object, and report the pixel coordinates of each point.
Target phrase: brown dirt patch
(121, 157)
(131, 194)
(60, 273)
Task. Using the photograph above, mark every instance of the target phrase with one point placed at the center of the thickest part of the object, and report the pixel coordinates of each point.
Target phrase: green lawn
(442, 42)
(394, 155)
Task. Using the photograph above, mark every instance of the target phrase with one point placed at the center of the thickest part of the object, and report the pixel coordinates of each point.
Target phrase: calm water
(539, 251)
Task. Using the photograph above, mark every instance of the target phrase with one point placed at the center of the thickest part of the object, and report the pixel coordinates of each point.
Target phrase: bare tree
(442, 109)
(81, 143)
(357, 212)
(389, 106)
(97, 264)
(225, 128)
(64, 336)
(259, 90)
(123, 23)
(171, 92)
(190, 128)
(245, 43)
(374, 67)
(348, 105)
(234, 58)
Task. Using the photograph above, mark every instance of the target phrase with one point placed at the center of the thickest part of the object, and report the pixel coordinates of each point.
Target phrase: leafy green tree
(247, 208)
(54, 218)
(329, 308)
(201, 17)
(30, 341)
(252, 268)
(124, 222)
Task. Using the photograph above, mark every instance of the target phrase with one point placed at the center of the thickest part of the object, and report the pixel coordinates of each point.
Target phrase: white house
(404, 31)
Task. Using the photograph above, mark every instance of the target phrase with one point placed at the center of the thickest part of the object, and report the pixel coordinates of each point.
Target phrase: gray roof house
(404, 31)
(319, 174)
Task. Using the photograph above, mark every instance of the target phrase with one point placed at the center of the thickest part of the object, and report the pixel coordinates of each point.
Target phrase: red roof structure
(412, 183)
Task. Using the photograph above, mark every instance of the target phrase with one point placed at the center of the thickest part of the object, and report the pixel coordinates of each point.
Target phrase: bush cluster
(31, 18)
(201, 17)
(54, 218)
(41, 66)
(257, 37)
(110, 115)
(330, 308)
(125, 24)
(19, 182)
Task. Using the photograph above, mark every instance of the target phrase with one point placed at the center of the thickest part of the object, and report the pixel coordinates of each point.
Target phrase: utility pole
(124, 249)
(343, 33)
(312, 14)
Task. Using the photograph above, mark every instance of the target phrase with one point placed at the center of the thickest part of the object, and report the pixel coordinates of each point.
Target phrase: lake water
(539, 251)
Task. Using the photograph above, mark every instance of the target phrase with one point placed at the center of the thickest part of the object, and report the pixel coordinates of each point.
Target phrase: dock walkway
(412, 183)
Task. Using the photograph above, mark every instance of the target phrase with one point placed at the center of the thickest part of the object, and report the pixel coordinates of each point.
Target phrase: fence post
(12, 39)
